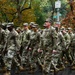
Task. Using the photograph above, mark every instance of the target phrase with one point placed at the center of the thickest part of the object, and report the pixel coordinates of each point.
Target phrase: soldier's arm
(54, 37)
(17, 44)
(62, 41)
(68, 41)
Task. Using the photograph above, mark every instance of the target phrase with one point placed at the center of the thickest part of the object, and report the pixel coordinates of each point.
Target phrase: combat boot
(31, 70)
(73, 67)
(4, 69)
(61, 66)
(21, 68)
(45, 73)
(7, 73)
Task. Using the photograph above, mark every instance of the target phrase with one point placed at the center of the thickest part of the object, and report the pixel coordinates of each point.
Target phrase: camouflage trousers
(24, 57)
(9, 58)
(47, 59)
(24, 54)
(47, 63)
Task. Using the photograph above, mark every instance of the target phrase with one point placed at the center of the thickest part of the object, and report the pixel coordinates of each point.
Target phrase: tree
(69, 20)
(14, 9)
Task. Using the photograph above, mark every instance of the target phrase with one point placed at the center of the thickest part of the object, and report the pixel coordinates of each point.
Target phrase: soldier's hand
(54, 51)
(30, 49)
(39, 50)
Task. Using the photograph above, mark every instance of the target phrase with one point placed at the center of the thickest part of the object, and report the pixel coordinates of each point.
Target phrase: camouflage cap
(62, 28)
(36, 25)
(18, 28)
(48, 20)
(10, 24)
(69, 28)
(32, 23)
(4, 24)
(25, 24)
(33, 26)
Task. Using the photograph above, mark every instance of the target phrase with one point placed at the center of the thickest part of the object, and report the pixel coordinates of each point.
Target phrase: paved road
(66, 71)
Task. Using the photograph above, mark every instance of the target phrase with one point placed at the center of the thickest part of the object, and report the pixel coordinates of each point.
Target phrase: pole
(58, 17)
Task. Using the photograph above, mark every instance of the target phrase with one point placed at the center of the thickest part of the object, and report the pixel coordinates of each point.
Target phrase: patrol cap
(36, 25)
(48, 20)
(69, 28)
(10, 24)
(32, 23)
(18, 28)
(62, 28)
(33, 26)
(3, 24)
(25, 24)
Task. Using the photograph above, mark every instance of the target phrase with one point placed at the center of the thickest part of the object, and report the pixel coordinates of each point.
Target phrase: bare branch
(27, 7)
(23, 4)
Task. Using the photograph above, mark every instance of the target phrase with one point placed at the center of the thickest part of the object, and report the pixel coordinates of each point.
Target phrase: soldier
(61, 44)
(70, 32)
(11, 47)
(66, 50)
(34, 40)
(25, 43)
(48, 44)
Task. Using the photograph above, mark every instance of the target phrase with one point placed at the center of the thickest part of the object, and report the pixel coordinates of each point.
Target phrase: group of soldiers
(31, 47)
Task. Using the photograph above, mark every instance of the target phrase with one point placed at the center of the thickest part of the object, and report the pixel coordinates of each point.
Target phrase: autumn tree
(69, 20)
(12, 10)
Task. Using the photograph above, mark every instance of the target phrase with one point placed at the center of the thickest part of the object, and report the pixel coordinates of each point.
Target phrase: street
(66, 71)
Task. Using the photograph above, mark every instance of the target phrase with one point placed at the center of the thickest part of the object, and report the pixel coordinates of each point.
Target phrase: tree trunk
(19, 16)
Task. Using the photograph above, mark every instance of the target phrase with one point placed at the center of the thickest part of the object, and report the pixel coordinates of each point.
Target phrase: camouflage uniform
(48, 44)
(25, 43)
(34, 46)
(66, 50)
(12, 47)
(71, 49)
(61, 44)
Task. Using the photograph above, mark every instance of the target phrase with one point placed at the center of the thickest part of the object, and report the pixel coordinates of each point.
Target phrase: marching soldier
(61, 44)
(25, 43)
(70, 32)
(48, 45)
(67, 41)
(34, 45)
(11, 47)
